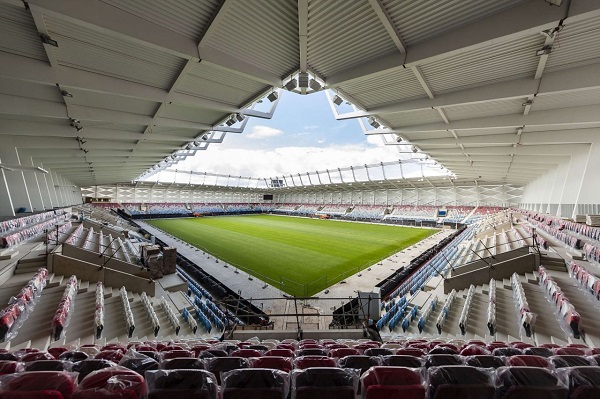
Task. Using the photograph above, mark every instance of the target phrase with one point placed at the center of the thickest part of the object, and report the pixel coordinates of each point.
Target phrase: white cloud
(263, 132)
(321, 141)
(311, 127)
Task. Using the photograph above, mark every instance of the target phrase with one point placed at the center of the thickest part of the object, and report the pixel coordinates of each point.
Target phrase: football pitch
(297, 255)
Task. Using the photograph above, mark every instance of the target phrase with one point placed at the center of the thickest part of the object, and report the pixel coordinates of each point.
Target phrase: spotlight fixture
(373, 122)
(399, 139)
(528, 102)
(65, 93)
(230, 121)
(291, 85)
(545, 50)
(239, 117)
(272, 96)
(303, 80)
(337, 100)
(205, 137)
(414, 149)
(313, 84)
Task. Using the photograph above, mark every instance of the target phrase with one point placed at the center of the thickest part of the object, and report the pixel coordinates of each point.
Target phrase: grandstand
(98, 97)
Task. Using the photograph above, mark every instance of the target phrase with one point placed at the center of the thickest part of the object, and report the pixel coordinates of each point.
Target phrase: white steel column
(33, 189)
(15, 179)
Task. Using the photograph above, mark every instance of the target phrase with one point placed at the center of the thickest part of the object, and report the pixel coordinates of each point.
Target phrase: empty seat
(383, 382)
(183, 363)
(378, 352)
(261, 348)
(286, 346)
(361, 362)
(38, 385)
(528, 382)
(464, 382)
(246, 353)
(442, 360)
(8, 367)
(112, 355)
(279, 352)
(179, 384)
(213, 353)
(33, 356)
(216, 365)
(507, 351)
(402, 361)
(560, 361)
(113, 382)
(87, 366)
(48, 365)
(273, 362)
(528, 361)
(139, 363)
(472, 350)
(569, 351)
(538, 351)
(410, 352)
(583, 382)
(255, 383)
(485, 361)
(305, 362)
(311, 352)
(342, 352)
(172, 354)
(73, 356)
(8, 356)
(57, 351)
(324, 383)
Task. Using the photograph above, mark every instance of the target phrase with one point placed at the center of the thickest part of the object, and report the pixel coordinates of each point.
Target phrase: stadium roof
(101, 91)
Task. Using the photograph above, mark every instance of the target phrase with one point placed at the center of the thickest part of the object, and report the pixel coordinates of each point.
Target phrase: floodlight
(230, 121)
(528, 102)
(337, 100)
(373, 122)
(313, 84)
(273, 96)
(291, 85)
(398, 139)
(239, 117)
(303, 79)
(414, 149)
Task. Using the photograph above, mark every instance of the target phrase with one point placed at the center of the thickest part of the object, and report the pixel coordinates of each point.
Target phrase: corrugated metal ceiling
(396, 85)
(400, 119)
(568, 99)
(480, 110)
(189, 18)
(117, 103)
(110, 55)
(576, 45)
(265, 33)
(209, 81)
(420, 20)
(342, 34)
(18, 34)
(497, 62)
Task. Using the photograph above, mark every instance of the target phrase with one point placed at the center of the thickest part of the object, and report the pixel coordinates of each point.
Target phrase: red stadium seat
(529, 361)
(410, 352)
(39, 385)
(254, 384)
(341, 352)
(463, 382)
(280, 352)
(569, 351)
(325, 383)
(181, 384)
(383, 382)
(305, 362)
(472, 350)
(112, 383)
(272, 362)
(8, 367)
(528, 382)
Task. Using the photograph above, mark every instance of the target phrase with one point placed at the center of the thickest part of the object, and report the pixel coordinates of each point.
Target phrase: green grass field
(299, 256)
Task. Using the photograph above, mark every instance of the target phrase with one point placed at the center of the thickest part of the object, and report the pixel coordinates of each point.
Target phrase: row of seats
(62, 316)
(99, 310)
(453, 381)
(587, 280)
(565, 309)
(11, 239)
(464, 316)
(6, 226)
(171, 315)
(127, 313)
(491, 312)
(526, 317)
(19, 306)
(439, 323)
(151, 313)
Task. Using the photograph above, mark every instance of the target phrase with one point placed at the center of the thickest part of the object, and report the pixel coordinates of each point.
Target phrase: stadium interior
(501, 299)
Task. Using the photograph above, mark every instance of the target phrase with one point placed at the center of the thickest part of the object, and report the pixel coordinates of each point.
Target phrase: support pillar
(15, 179)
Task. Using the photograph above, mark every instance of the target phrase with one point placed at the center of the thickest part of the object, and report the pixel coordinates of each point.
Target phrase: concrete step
(531, 278)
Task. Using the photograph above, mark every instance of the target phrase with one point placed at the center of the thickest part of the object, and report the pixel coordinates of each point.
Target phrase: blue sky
(303, 136)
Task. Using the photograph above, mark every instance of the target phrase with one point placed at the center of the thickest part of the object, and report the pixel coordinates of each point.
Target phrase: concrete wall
(95, 258)
(478, 264)
(111, 278)
(500, 271)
